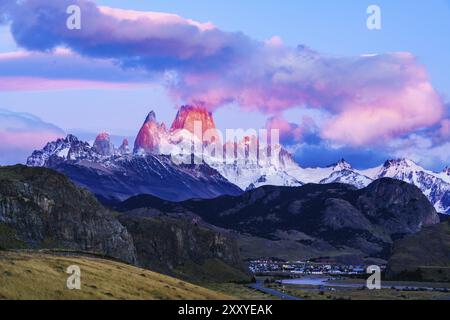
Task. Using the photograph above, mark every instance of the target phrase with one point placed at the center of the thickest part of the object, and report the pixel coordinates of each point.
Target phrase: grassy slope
(359, 294)
(26, 275)
(211, 271)
(425, 255)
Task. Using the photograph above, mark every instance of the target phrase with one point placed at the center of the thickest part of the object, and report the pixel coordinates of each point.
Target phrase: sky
(314, 70)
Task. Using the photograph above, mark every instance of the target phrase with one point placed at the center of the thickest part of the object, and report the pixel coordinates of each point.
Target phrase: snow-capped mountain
(246, 170)
(116, 172)
(445, 174)
(348, 176)
(434, 185)
(67, 149)
(251, 175)
(340, 172)
(120, 175)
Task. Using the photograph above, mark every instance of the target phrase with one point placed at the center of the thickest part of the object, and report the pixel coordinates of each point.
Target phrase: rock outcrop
(151, 136)
(187, 116)
(183, 245)
(41, 208)
(103, 145)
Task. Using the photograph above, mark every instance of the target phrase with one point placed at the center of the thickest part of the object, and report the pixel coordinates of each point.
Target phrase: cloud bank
(368, 99)
(21, 134)
(63, 69)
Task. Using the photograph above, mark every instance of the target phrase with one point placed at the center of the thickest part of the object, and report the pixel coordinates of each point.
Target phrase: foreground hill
(26, 275)
(423, 256)
(313, 219)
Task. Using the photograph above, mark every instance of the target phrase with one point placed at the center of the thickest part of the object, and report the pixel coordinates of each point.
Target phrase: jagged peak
(150, 135)
(401, 162)
(103, 144)
(151, 117)
(197, 108)
(341, 165)
(447, 170)
(124, 147)
(187, 115)
(103, 136)
(70, 138)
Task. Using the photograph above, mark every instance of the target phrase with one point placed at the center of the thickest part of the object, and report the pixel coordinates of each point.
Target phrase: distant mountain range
(312, 220)
(117, 176)
(118, 173)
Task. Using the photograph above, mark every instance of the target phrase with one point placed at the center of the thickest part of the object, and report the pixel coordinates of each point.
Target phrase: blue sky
(330, 27)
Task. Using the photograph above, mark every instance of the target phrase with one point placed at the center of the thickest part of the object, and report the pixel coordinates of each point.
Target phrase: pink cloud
(368, 98)
(63, 69)
(27, 140)
(445, 128)
(387, 115)
(43, 84)
(21, 134)
(160, 17)
(290, 133)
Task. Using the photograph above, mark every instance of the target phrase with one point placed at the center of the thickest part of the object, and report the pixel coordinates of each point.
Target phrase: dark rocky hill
(336, 217)
(40, 208)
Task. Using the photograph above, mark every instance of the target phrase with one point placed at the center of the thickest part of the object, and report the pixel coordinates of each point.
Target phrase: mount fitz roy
(115, 174)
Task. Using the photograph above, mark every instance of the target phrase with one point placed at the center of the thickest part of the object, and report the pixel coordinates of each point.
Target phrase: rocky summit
(151, 135)
(187, 116)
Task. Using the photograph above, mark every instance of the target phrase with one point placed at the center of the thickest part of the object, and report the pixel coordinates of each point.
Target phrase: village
(320, 267)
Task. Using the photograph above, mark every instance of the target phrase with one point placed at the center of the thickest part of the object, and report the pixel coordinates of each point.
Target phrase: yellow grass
(29, 275)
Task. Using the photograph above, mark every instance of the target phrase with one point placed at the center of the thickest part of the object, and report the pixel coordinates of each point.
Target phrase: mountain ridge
(335, 218)
(244, 172)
